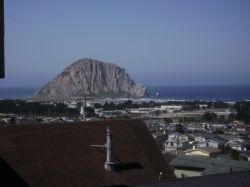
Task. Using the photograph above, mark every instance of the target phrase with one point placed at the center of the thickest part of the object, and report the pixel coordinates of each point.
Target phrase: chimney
(109, 164)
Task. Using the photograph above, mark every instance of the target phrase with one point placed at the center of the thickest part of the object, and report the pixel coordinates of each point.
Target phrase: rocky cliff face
(98, 78)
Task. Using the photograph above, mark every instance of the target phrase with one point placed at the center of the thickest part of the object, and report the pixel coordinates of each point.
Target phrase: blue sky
(158, 42)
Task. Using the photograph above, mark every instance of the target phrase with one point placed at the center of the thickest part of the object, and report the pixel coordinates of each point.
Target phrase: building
(197, 127)
(215, 126)
(212, 143)
(176, 141)
(74, 154)
(235, 143)
(171, 108)
(140, 112)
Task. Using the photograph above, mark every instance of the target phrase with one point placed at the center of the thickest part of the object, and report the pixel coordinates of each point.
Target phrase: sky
(158, 42)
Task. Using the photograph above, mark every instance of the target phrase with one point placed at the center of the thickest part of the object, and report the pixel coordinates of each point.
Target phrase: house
(176, 141)
(171, 127)
(215, 126)
(235, 143)
(75, 154)
(201, 137)
(207, 140)
(236, 124)
(212, 143)
(197, 127)
(242, 128)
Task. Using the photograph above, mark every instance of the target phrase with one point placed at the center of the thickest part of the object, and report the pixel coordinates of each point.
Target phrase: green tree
(179, 129)
(243, 111)
(209, 116)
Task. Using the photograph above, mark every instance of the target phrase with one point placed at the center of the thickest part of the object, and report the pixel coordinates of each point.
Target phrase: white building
(171, 108)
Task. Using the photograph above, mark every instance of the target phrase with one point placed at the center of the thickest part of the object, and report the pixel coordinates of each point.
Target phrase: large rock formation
(97, 78)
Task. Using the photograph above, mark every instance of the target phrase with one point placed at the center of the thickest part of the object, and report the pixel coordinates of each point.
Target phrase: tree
(234, 154)
(209, 116)
(168, 120)
(179, 129)
(157, 112)
(243, 111)
(90, 112)
(97, 105)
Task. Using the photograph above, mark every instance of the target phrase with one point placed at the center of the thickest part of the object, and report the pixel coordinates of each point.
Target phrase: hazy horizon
(159, 43)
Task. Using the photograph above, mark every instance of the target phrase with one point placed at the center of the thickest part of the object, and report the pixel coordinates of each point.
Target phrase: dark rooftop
(61, 155)
(241, 179)
(210, 165)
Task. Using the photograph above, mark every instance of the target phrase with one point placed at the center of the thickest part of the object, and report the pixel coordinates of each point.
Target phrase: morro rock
(92, 76)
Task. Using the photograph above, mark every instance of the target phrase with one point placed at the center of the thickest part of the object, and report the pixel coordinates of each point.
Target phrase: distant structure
(157, 94)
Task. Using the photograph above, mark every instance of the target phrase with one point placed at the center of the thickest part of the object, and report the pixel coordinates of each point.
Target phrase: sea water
(207, 93)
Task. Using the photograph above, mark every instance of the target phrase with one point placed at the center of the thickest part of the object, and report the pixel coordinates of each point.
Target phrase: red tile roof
(61, 154)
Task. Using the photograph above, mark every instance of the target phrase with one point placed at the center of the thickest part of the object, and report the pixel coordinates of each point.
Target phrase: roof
(245, 153)
(204, 135)
(61, 154)
(208, 150)
(229, 180)
(210, 165)
(246, 143)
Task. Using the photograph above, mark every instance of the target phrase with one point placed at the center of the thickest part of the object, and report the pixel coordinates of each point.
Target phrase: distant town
(200, 133)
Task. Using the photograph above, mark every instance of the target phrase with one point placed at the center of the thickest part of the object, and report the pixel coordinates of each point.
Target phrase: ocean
(207, 93)
(16, 93)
